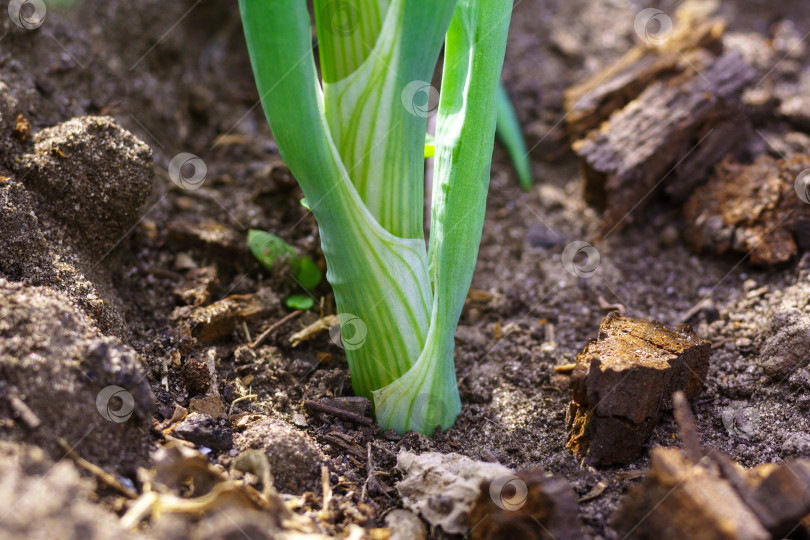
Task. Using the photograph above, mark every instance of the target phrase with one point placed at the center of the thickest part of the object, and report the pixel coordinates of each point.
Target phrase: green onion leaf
(427, 395)
(510, 134)
(356, 145)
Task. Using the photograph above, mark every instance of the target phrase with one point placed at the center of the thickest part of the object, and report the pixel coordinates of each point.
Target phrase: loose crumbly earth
(176, 74)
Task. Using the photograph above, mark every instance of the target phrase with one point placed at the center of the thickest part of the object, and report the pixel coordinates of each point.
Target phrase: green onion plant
(355, 141)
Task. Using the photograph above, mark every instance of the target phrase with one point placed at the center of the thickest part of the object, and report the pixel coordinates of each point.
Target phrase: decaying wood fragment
(678, 499)
(751, 208)
(668, 138)
(591, 102)
(659, 119)
(624, 381)
(529, 504)
(705, 495)
(219, 319)
(780, 494)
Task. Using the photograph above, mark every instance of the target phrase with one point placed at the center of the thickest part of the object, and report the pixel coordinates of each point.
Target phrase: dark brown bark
(624, 381)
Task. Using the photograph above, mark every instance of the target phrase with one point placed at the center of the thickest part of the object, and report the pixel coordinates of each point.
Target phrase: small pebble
(203, 430)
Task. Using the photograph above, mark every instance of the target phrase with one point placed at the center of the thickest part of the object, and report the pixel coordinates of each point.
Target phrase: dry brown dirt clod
(45, 499)
(624, 381)
(293, 456)
(102, 402)
(95, 176)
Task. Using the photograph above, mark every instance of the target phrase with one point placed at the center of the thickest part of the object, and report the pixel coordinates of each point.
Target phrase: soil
(99, 274)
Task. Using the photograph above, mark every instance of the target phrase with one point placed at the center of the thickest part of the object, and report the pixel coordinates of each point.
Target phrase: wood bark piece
(219, 319)
(661, 117)
(784, 495)
(680, 500)
(668, 137)
(706, 496)
(624, 380)
(591, 102)
(530, 505)
(751, 208)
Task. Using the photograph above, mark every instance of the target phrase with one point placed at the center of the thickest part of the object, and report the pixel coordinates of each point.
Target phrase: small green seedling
(300, 302)
(355, 142)
(277, 255)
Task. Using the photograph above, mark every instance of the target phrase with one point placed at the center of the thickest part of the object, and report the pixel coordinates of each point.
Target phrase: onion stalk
(355, 142)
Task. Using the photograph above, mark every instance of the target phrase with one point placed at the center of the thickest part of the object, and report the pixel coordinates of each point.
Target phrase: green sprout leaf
(307, 273)
(299, 302)
(270, 250)
(275, 254)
